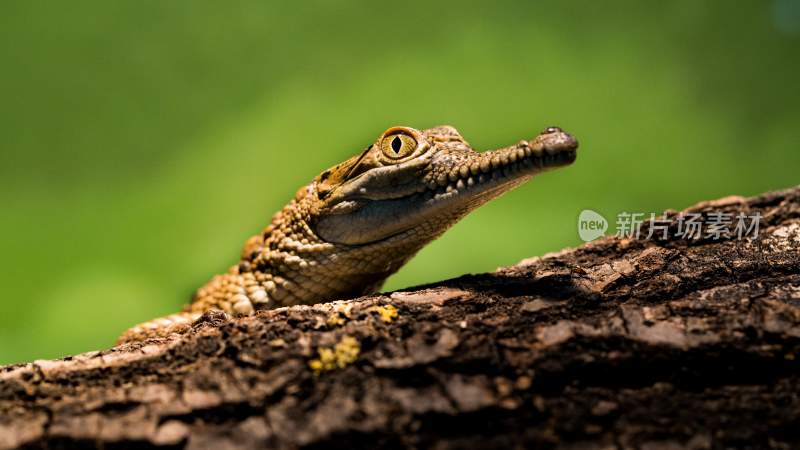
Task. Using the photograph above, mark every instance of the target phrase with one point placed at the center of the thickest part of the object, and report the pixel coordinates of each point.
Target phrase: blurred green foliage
(143, 142)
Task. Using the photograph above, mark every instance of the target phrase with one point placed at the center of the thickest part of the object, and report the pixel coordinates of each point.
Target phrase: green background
(143, 142)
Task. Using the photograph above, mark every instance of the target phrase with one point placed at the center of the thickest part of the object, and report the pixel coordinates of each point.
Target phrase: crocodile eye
(398, 145)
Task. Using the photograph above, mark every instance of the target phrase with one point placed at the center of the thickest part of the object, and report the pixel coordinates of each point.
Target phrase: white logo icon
(591, 225)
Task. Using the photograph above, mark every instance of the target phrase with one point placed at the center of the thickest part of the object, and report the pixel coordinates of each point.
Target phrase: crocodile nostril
(550, 130)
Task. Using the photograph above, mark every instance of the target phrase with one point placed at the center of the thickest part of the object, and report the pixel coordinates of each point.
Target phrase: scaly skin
(360, 221)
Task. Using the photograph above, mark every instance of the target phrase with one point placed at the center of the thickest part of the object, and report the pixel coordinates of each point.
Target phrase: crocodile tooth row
(500, 164)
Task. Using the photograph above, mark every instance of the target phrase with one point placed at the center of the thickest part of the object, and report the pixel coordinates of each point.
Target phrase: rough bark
(621, 343)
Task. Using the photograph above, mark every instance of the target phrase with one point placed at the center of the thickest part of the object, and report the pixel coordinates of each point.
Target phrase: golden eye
(398, 145)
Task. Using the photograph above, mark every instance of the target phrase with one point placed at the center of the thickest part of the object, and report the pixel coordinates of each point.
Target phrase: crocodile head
(421, 182)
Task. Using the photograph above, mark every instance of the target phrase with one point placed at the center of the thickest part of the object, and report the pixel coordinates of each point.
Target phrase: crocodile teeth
(490, 167)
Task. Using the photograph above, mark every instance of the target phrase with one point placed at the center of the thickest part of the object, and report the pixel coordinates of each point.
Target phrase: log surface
(620, 343)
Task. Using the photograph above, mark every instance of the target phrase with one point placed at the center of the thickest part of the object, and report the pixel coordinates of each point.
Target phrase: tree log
(667, 342)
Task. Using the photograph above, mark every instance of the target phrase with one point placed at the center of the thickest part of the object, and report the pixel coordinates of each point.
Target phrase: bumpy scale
(360, 221)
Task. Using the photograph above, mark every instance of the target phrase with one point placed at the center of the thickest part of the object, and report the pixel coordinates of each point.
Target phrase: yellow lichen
(340, 315)
(340, 356)
(334, 320)
(386, 313)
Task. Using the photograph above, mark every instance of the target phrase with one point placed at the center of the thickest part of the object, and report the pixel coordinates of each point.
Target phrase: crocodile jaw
(427, 196)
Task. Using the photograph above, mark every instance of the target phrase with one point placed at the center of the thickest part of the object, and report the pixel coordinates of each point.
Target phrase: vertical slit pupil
(397, 144)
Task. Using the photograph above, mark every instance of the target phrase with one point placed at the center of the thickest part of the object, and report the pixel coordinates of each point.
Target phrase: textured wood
(617, 344)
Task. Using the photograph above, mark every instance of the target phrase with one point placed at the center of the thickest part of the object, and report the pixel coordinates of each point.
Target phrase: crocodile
(358, 222)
